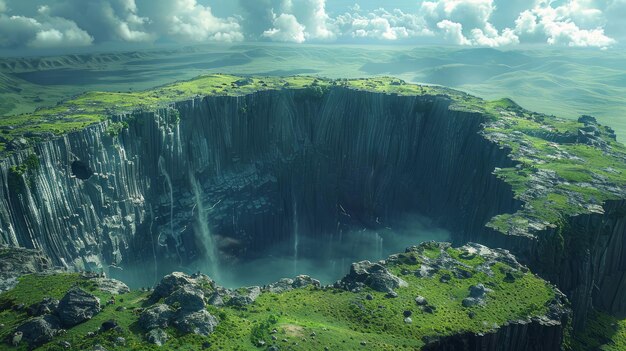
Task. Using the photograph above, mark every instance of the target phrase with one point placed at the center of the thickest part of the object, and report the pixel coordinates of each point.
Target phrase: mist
(324, 257)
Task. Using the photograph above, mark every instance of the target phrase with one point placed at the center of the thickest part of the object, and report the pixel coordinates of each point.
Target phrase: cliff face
(218, 178)
(222, 176)
(531, 335)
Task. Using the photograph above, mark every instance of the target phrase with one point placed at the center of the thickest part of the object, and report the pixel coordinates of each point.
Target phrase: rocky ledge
(431, 297)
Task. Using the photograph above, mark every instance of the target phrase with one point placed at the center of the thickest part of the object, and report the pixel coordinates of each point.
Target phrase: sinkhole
(273, 184)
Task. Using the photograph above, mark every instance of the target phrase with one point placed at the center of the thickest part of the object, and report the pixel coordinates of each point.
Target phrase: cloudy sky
(69, 24)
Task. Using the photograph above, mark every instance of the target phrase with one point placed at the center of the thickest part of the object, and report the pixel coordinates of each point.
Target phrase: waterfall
(379, 245)
(296, 236)
(168, 180)
(202, 227)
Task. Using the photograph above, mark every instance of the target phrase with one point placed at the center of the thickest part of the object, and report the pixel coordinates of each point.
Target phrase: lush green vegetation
(313, 318)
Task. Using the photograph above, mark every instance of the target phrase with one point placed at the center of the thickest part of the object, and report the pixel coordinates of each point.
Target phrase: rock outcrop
(77, 306)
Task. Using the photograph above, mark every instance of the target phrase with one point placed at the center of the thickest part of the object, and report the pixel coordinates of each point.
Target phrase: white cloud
(187, 20)
(105, 20)
(561, 25)
(453, 32)
(46, 32)
(286, 28)
(492, 23)
(382, 24)
(312, 15)
(467, 22)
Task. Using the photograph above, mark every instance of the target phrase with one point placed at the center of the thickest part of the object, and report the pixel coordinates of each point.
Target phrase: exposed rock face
(15, 262)
(77, 306)
(149, 172)
(40, 330)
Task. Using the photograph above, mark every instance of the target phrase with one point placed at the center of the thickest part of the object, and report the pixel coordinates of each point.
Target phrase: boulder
(284, 284)
(187, 297)
(303, 281)
(111, 286)
(198, 322)
(374, 275)
(77, 306)
(169, 284)
(157, 316)
(46, 306)
(157, 336)
(244, 296)
(39, 330)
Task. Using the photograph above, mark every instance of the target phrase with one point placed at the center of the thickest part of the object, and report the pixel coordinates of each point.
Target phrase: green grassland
(566, 82)
(314, 318)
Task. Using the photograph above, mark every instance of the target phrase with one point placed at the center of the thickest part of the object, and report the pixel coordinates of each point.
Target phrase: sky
(36, 25)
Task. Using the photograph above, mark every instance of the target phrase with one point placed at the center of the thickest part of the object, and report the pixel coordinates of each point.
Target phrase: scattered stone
(363, 343)
(157, 336)
(120, 341)
(476, 296)
(429, 309)
(407, 313)
(17, 338)
(391, 295)
(369, 297)
(77, 306)
(108, 325)
(408, 320)
(46, 306)
(99, 348)
(65, 344)
(421, 300)
(445, 278)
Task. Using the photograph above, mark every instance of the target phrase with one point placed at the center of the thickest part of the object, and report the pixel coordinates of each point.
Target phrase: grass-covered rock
(425, 305)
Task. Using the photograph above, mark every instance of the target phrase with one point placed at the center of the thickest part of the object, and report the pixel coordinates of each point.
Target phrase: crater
(253, 188)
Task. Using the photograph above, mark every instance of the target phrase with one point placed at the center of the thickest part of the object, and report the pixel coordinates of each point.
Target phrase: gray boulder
(169, 284)
(198, 322)
(244, 296)
(77, 306)
(374, 275)
(303, 281)
(187, 297)
(46, 306)
(157, 336)
(111, 286)
(284, 284)
(157, 316)
(39, 330)
(477, 295)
